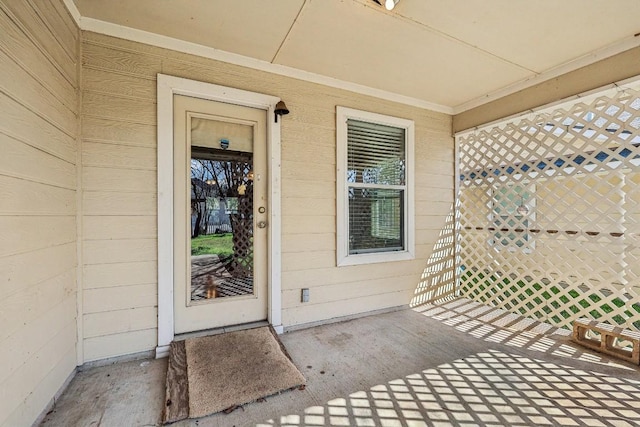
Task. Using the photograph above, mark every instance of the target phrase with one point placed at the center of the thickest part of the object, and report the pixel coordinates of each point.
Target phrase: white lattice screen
(549, 211)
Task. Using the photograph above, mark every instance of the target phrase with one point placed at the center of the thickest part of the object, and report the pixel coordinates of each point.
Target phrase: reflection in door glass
(221, 223)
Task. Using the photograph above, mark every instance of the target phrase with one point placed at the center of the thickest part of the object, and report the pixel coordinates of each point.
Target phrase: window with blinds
(376, 187)
(373, 187)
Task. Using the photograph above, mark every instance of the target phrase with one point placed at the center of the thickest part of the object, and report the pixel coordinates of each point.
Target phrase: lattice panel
(549, 213)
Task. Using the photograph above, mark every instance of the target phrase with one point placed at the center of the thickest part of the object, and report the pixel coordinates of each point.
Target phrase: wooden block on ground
(176, 403)
(609, 336)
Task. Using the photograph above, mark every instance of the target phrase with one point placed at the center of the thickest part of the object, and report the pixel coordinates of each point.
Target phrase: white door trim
(167, 87)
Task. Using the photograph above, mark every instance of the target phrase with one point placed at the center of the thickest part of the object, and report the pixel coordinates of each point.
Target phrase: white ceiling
(454, 53)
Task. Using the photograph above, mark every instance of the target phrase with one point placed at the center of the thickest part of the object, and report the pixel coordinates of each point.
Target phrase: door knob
(262, 224)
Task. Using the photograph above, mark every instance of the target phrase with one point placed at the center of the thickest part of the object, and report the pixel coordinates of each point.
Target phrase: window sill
(374, 258)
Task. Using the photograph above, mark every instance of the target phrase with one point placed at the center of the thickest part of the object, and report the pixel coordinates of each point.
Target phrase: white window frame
(343, 257)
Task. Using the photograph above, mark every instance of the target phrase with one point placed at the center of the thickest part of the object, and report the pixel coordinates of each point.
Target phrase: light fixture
(280, 110)
(522, 209)
(388, 4)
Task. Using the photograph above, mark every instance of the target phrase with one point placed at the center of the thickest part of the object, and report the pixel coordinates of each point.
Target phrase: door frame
(167, 86)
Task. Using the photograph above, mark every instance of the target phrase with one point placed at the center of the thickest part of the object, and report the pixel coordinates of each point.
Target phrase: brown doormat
(225, 371)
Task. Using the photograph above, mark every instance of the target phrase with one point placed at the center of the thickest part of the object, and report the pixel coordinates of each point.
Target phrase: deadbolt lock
(261, 209)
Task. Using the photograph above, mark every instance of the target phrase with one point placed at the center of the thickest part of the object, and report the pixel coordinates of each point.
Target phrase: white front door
(220, 217)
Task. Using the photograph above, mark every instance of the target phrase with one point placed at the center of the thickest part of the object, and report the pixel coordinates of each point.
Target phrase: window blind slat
(375, 153)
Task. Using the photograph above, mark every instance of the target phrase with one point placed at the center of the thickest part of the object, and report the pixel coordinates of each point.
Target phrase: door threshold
(217, 331)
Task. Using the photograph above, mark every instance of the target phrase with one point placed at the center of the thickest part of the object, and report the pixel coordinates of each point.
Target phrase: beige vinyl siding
(119, 206)
(38, 139)
(118, 152)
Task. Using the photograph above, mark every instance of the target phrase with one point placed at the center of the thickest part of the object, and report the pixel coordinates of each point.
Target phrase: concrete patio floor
(454, 363)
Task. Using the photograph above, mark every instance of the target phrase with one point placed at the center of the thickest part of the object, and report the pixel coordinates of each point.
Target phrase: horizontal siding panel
(16, 350)
(309, 189)
(308, 224)
(307, 206)
(119, 298)
(313, 313)
(119, 227)
(30, 198)
(438, 123)
(29, 376)
(302, 114)
(114, 203)
(116, 60)
(433, 151)
(29, 233)
(118, 108)
(35, 97)
(317, 108)
(308, 242)
(350, 291)
(434, 207)
(119, 251)
(18, 272)
(308, 260)
(16, 44)
(106, 130)
(22, 124)
(120, 344)
(118, 156)
(119, 321)
(31, 407)
(21, 160)
(61, 24)
(107, 82)
(308, 171)
(117, 275)
(26, 305)
(312, 143)
(348, 274)
(121, 180)
(427, 250)
(429, 180)
(430, 222)
(39, 33)
(427, 195)
(436, 167)
(221, 73)
(309, 153)
(427, 237)
(435, 131)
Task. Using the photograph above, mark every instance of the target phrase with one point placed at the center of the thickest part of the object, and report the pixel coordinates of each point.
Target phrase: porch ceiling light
(388, 4)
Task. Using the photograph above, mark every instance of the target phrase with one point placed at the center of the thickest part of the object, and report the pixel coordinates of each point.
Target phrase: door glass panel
(221, 209)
